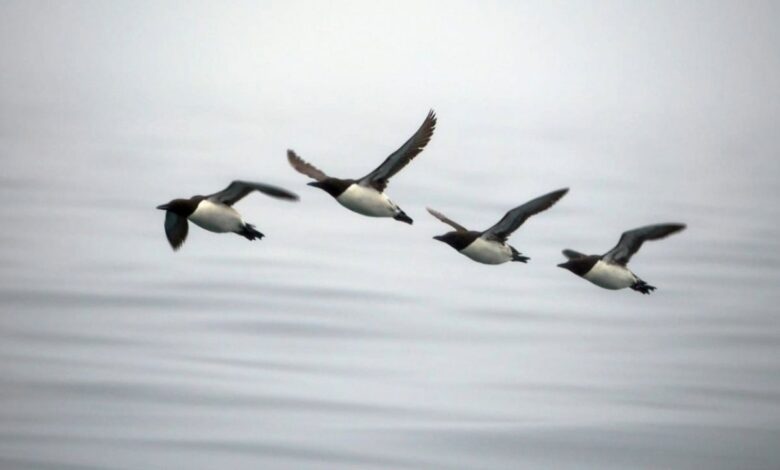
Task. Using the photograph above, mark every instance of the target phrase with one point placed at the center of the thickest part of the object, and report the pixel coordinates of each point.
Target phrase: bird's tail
(517, 256)
(250, 233)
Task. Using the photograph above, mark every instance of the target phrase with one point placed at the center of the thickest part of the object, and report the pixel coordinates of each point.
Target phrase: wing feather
(176, 228)
(304, 167)
(237, 190)
(632, 240)
(401, 157)
(515, 217)
(571, 254)
(447, 220)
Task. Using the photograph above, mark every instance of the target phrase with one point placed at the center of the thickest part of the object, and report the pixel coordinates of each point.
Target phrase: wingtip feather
(560, 192)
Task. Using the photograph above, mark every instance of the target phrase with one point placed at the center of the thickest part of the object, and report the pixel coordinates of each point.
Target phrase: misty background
(341, 341)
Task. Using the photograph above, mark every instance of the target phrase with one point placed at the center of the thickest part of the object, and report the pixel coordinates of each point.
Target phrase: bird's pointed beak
(437, 237)
(163, 207)
(315, 184)
(564, 265)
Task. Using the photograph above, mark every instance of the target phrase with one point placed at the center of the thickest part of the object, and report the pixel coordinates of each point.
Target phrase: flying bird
(490, 247)
(609, 270)
(366, 195)
(215, 212)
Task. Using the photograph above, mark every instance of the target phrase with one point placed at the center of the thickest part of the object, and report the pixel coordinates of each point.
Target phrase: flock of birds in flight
(366, 196)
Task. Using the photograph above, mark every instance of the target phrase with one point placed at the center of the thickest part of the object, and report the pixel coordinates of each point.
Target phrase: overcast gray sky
(680, 64)
(690, 75)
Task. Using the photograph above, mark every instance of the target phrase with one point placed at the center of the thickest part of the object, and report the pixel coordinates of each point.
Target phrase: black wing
(176, 228)
(238, 189)
(571, 254)
(304, 167)
(447, 220)
(632, 240)
(400, 158)
(515, 218)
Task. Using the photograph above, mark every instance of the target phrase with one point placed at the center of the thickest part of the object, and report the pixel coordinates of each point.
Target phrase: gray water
(340, 341)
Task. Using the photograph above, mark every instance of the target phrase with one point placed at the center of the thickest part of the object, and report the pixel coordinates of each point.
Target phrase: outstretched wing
(238, 189)
(304, 167)
(571, 254)
(400, 158)
(515, 218)
(176, 228)
(632, 240)
(447, 220)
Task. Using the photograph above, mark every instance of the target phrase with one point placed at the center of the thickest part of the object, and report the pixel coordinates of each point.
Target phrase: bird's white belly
(216, 217)
(367, 201)
(610, 276)
(488, 252)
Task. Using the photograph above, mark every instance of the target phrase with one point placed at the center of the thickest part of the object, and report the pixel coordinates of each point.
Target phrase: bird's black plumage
(177, 211)
(379, 178)
(237, 190)
(515, 217)
(632, 240)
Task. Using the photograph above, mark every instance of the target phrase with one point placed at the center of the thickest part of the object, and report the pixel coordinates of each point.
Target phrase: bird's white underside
(216, 217)
(610, 276)
(488, 251)
(367, 201)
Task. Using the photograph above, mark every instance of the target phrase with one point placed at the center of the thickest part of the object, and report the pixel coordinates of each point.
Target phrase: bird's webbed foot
(643, 287)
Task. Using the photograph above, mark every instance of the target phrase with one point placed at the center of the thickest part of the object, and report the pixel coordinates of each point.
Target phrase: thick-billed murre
(490, 247)
(609, 270)
(366, 195)
(215, 212)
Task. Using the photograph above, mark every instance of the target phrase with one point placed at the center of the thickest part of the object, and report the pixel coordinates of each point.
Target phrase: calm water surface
(340, 341)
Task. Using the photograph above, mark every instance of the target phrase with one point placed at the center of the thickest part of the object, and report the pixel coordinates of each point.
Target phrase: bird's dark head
(332, 186)
(580, 266)
(457, 240)
(182, 207)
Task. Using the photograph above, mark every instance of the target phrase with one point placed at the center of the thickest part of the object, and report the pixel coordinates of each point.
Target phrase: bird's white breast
(367, 201)
(488, 251)
(216, 217)
(610, 276)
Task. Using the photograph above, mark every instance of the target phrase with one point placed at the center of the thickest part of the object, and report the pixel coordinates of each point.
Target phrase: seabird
(215, 212)
(609, 270)
(490, 247)
(366, 195)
